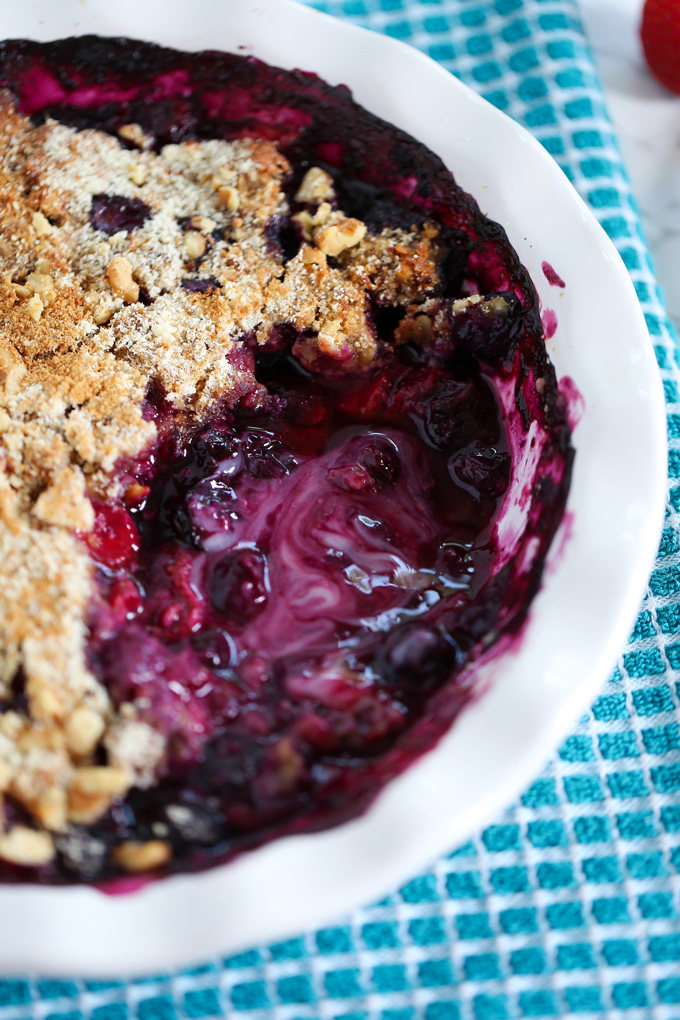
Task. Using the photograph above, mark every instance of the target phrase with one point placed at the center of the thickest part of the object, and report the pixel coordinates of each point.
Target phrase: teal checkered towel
(568, 904)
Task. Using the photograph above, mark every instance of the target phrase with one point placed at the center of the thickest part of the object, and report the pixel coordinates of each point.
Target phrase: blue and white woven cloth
(568, 904)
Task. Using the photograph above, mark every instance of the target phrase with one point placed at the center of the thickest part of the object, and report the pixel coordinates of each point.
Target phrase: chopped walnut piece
(137, 174)
(51, 809)
(311, 256)
(46, 701)
(27, 847)
(134, 857)
(462, 304)
(414, 329)
(103, 310)
(42, 284)
(11, 724)
(135, 493)
(229, 198)
(194, 244)
(41, 224)
(86, 808)
(309, 222)
(34, 307)
(316, 186)
(204, 224)
(84, 728)
(104, 779)
(338, 237)
(135, 134)
(12, 368)
(93, 790)
(119, 272)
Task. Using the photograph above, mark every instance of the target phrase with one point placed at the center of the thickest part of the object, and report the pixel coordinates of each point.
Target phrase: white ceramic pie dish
(595, 577)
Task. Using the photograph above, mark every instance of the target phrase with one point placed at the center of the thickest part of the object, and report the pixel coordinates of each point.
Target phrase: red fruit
(660, 34)
(125, 599)
(352, 478)
(237, 584)
(114, 540)
(370, 399)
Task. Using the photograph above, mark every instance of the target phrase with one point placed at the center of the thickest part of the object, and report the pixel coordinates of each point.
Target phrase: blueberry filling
(290, 590)
(285, 598)
(201, 286)
(111, 213)
(264, 552)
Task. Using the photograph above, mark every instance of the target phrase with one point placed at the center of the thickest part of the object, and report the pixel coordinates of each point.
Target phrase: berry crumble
(270, 385)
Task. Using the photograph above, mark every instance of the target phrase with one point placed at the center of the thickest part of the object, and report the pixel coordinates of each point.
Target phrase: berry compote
(293, 589)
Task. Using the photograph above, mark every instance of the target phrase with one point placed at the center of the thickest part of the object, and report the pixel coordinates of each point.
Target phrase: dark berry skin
(205, 285)
(485, 470)
(111, 213)
(382, 461)
(237, 584)
(417, 654)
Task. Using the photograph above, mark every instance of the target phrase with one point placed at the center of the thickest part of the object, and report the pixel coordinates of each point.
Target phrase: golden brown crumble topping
(90, 317)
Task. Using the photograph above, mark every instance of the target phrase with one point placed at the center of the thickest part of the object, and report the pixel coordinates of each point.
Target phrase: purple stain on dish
(574, 400)
(551, 276)
(549, 320)
(123, 886)
(560, 550)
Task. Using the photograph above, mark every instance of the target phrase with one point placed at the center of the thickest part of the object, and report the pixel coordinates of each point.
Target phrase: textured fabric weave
(568, 904)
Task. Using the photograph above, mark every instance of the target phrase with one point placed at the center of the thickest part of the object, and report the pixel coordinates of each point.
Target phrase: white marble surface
(647, 118)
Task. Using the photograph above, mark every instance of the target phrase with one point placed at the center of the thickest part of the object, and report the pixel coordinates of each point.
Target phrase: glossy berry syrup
(295, 596)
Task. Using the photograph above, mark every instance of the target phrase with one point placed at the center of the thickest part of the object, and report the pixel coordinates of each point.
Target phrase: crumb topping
(123, 268)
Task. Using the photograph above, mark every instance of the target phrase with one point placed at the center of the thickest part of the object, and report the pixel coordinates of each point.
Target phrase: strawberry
(660, 34)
